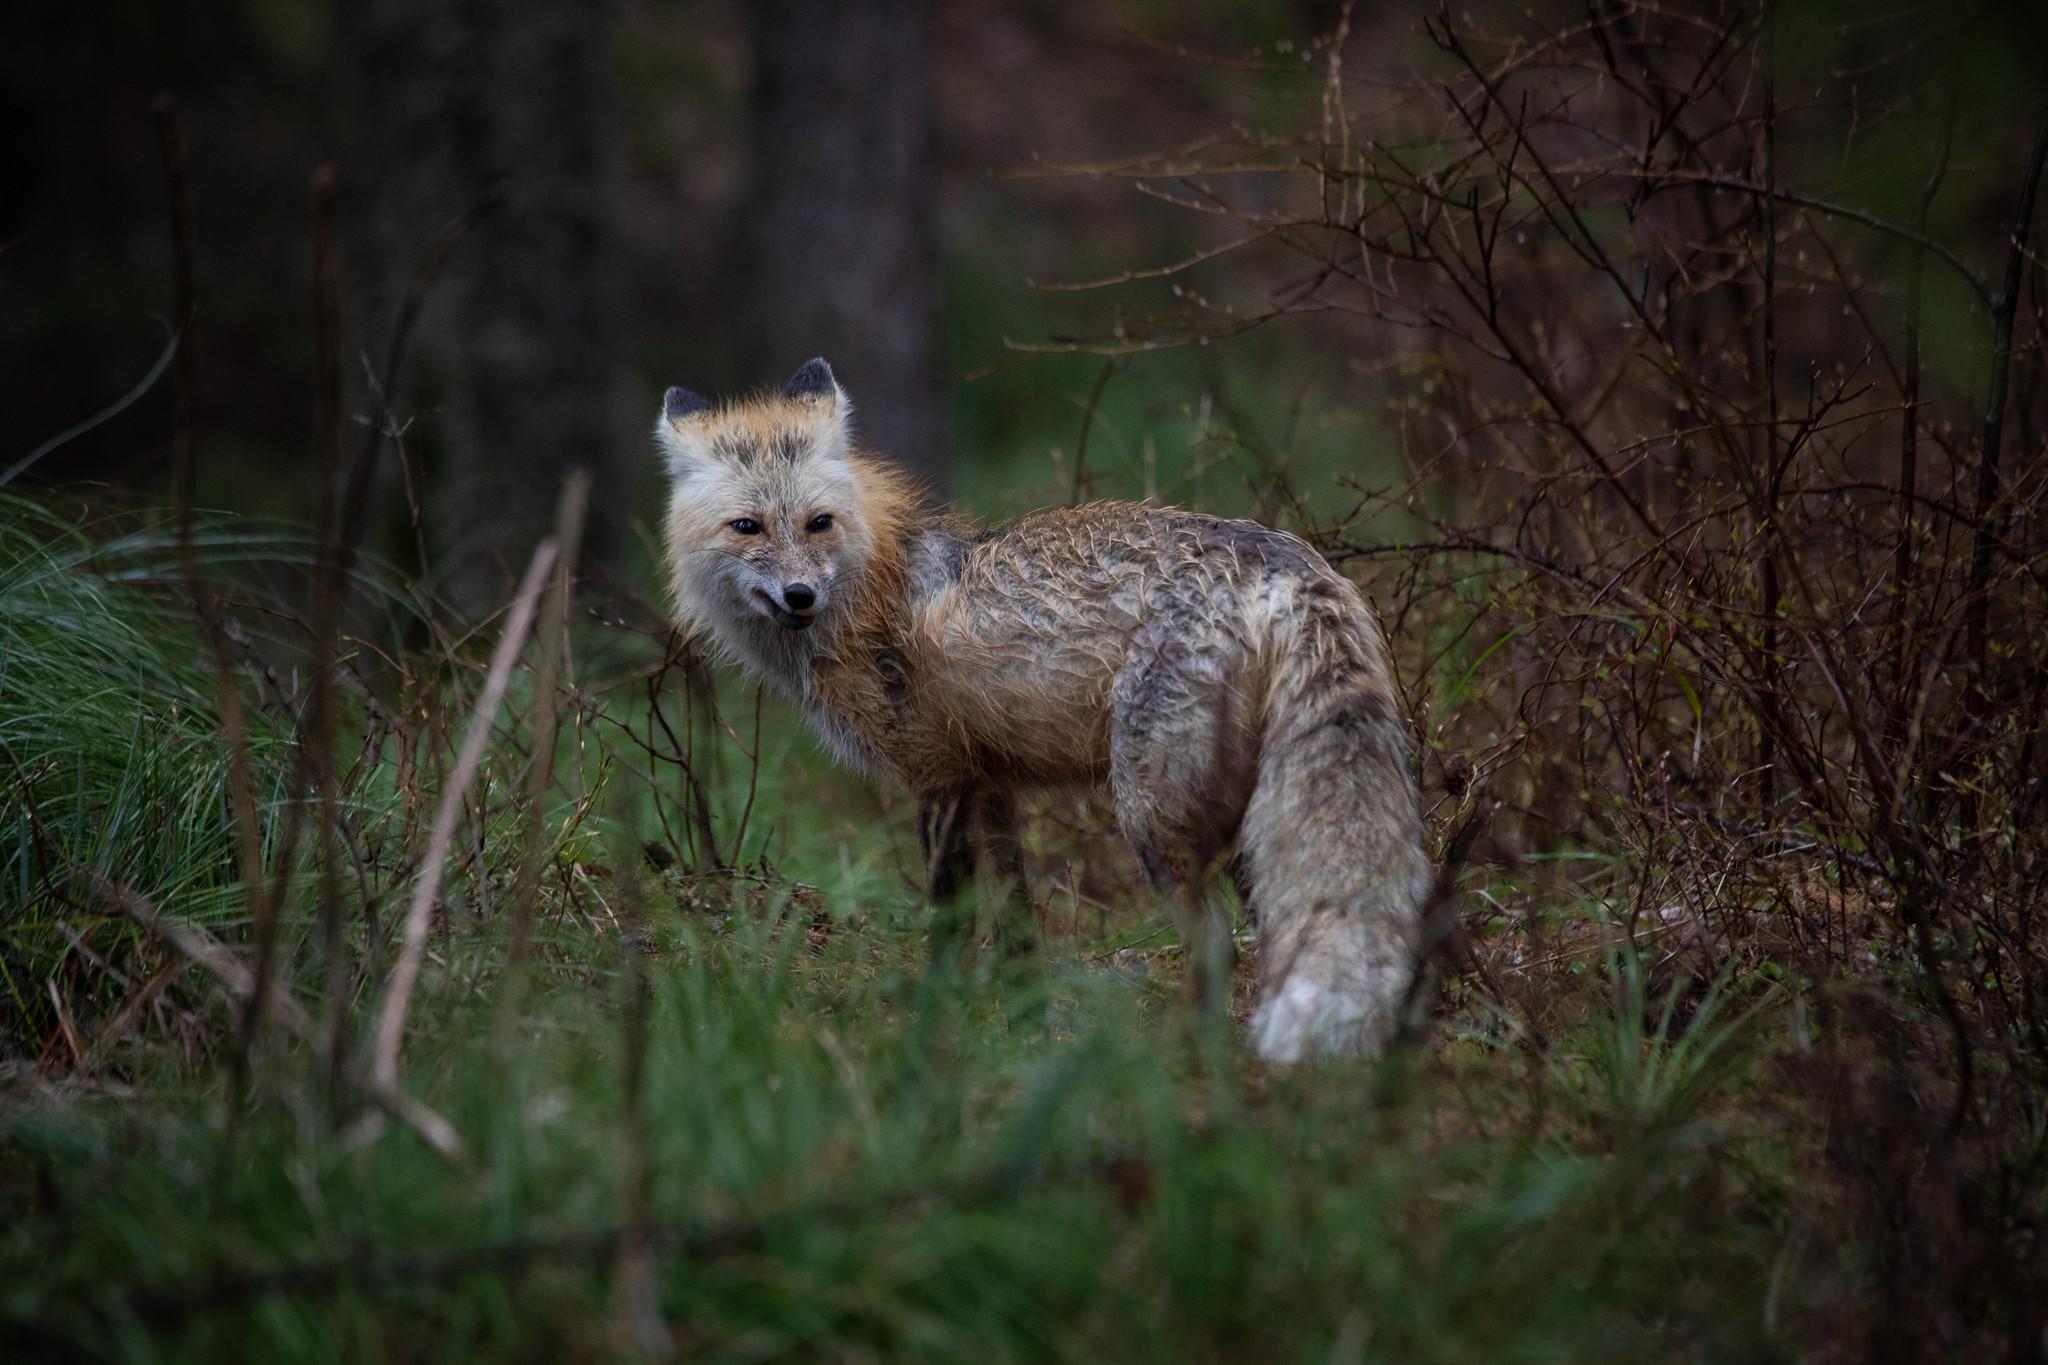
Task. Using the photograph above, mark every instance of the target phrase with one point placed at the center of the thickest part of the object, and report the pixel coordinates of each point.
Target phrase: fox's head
(772, 517)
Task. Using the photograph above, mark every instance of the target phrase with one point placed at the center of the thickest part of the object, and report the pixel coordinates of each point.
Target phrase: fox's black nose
(799, 596)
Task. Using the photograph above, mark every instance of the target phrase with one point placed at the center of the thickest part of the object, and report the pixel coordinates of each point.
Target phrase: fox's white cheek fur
(753, 595)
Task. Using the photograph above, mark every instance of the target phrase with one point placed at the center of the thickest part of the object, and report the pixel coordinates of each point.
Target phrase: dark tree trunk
(836, 233)
(518, 374)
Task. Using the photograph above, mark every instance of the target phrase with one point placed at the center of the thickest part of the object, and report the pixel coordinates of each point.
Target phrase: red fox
(1230, 687)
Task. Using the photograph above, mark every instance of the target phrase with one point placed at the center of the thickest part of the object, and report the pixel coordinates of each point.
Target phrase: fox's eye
(821, 522)
(747, 526)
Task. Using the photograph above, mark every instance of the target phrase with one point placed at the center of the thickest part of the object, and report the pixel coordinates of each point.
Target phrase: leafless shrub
(1698, 555)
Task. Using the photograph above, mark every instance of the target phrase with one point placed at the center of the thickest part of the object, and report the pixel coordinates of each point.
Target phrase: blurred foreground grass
(852, 1153)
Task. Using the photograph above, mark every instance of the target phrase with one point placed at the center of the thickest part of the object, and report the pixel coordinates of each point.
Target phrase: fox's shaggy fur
(1231, 689)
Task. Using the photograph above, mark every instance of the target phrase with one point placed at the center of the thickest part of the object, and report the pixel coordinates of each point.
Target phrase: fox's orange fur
(1231, 689)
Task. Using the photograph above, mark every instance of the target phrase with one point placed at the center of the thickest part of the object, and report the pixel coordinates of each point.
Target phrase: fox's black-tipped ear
(681, 440)
(679, 403)
(813, 379)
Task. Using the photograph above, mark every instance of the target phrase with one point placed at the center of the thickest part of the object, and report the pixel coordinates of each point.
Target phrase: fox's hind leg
(1180, 769)
(1241, 878)
(1209, 951)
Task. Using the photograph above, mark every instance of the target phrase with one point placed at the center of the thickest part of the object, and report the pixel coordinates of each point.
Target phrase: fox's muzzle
(797, 609)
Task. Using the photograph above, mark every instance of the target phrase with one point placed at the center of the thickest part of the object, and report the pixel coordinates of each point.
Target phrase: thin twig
(1909, 425)
(1978, 593)
(398, 988)
(540, 769)
(317, 744)
(234, 727)
(636, 1325)
(1088, 414)
(105, 414)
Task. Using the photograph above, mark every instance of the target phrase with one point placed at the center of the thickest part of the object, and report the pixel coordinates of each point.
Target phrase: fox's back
(1017, 636)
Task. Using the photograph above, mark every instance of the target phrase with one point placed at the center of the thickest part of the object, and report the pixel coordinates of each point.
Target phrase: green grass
(110, 756)
(853, 1155)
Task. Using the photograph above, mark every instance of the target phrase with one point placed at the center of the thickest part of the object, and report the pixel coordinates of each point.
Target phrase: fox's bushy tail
(1332, 838)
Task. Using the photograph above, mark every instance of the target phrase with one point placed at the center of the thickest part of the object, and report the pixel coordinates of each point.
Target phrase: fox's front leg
(1001, 870)
(972, 834)
(944, 838)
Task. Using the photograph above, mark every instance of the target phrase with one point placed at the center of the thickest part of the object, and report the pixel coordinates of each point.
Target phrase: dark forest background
(696, 193)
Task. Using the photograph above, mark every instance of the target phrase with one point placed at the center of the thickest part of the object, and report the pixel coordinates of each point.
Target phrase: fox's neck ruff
(871, 614)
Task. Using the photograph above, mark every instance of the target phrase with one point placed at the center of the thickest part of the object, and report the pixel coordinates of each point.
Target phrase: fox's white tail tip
(1307, 1016)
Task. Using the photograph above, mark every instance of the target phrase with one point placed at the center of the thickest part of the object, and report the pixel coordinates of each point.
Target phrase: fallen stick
(234, 977)
(390, 1035)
